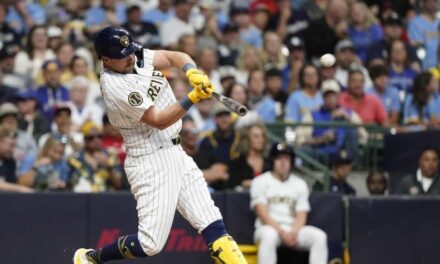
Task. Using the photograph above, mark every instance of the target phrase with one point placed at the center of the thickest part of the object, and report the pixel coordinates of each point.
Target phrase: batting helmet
(115, 42)
(278, 149)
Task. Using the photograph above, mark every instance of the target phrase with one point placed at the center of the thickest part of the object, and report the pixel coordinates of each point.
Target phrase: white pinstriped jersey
(128, 96)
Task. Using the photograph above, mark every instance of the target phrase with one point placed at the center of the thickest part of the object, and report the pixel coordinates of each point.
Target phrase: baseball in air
(327, 60)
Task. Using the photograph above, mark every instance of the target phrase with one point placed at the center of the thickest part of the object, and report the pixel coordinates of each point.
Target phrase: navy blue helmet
(115, 42)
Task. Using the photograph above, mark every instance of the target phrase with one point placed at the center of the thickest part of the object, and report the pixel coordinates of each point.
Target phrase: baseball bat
(233, 105)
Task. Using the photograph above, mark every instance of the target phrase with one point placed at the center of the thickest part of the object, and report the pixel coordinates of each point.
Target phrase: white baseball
(327, 60)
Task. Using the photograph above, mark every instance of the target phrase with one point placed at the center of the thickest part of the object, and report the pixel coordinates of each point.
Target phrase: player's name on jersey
(155, 85)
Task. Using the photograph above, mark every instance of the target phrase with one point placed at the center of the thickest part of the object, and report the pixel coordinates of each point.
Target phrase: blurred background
(353, 86)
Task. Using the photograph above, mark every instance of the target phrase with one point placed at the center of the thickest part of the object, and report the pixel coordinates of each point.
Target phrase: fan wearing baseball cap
(327, 141)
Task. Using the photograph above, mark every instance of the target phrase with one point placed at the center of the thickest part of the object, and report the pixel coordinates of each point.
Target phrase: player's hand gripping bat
(233, 105)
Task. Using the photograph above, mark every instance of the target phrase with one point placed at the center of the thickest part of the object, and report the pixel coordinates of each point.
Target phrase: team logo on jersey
(124, 41)
(135, 99)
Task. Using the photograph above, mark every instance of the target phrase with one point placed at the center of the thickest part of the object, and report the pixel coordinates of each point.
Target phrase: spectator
(393, 30)
(419, 108)
(229, 47)
(178, 25)
(423, 32)
(426, 180)
(80, 67)
(272, 56)
(308, 98)
(364, 29)
(201, 114)
(341, 166)
(328, 141)
(323, 34)
(252, 161)
(55, 38)
(107, 12)
(249, 33)
(10, 39)
(249, 60)
(112, 140)
(345, 61)
(271, 107)
(25, 143)
(296, 62)
(7, 163)
(81, 111)
(207, 61)
(52, 92)
(214, 171)
(23, 15)
(280, 201)
(95, 169)
(288, 22)
(187, 43)
(367, 106)
(159, 14)
(50, 171)
(7, 93)
(144, 32)
(63, 129)
(8, 76)
(377, 183)
(65, 54)
(261, 14)
(388, 94)
(316, 9)
(30, 119)
(29, 61)
(255, 87)
(224, 140)
(239, 93)
(400, 73)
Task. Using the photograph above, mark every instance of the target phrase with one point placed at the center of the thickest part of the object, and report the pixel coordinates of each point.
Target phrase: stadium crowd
(362, 62)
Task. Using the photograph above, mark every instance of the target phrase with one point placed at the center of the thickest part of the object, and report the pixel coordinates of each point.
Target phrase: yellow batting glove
(200, 92)
(197, 77)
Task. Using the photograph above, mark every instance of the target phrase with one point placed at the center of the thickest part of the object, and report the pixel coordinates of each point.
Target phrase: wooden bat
(233, 105)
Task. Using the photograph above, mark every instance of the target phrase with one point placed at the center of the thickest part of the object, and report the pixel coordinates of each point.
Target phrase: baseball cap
(221, 109)
(26, 95)
(392, 19)
(272, 72)
(295, 43)
(330, 85)
(51, 65)
(341, 157)
(344, 44)
(8, 109)
(90, 128)
(226, 72)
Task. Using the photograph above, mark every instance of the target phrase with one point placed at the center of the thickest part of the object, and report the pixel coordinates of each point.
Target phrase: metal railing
(315, 164)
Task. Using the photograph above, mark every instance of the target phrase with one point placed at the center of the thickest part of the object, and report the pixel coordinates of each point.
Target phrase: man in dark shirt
(322, 35)
(214, 171)
(7, 94)
(341, 164)
(144, 32)
(7, 163)
(426, 180)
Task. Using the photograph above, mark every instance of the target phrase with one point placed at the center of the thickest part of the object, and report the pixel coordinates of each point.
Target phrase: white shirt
(424, 181)
(341, 75)
(128, 96)
(91, 112)
(172, 29)
(283, 198)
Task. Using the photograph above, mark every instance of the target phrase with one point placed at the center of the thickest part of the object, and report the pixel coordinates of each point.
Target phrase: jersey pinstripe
(128, 96)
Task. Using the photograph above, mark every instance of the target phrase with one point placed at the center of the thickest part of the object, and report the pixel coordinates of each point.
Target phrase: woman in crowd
(400, 73)
(364, 29)
(50, 171)
(29, 61)
(252, 161)
(419, 110)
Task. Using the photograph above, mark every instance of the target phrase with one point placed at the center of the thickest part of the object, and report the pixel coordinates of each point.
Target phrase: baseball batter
(141, 104)
(280, 200)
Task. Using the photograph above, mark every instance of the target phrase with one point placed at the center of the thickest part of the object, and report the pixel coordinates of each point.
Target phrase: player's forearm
(164, 118)
(165, 58)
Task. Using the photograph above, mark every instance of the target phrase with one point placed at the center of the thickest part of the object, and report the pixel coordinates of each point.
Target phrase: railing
(366, 142)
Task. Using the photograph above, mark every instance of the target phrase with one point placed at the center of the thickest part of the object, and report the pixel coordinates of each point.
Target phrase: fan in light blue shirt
(299, 103)
(97, 15)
